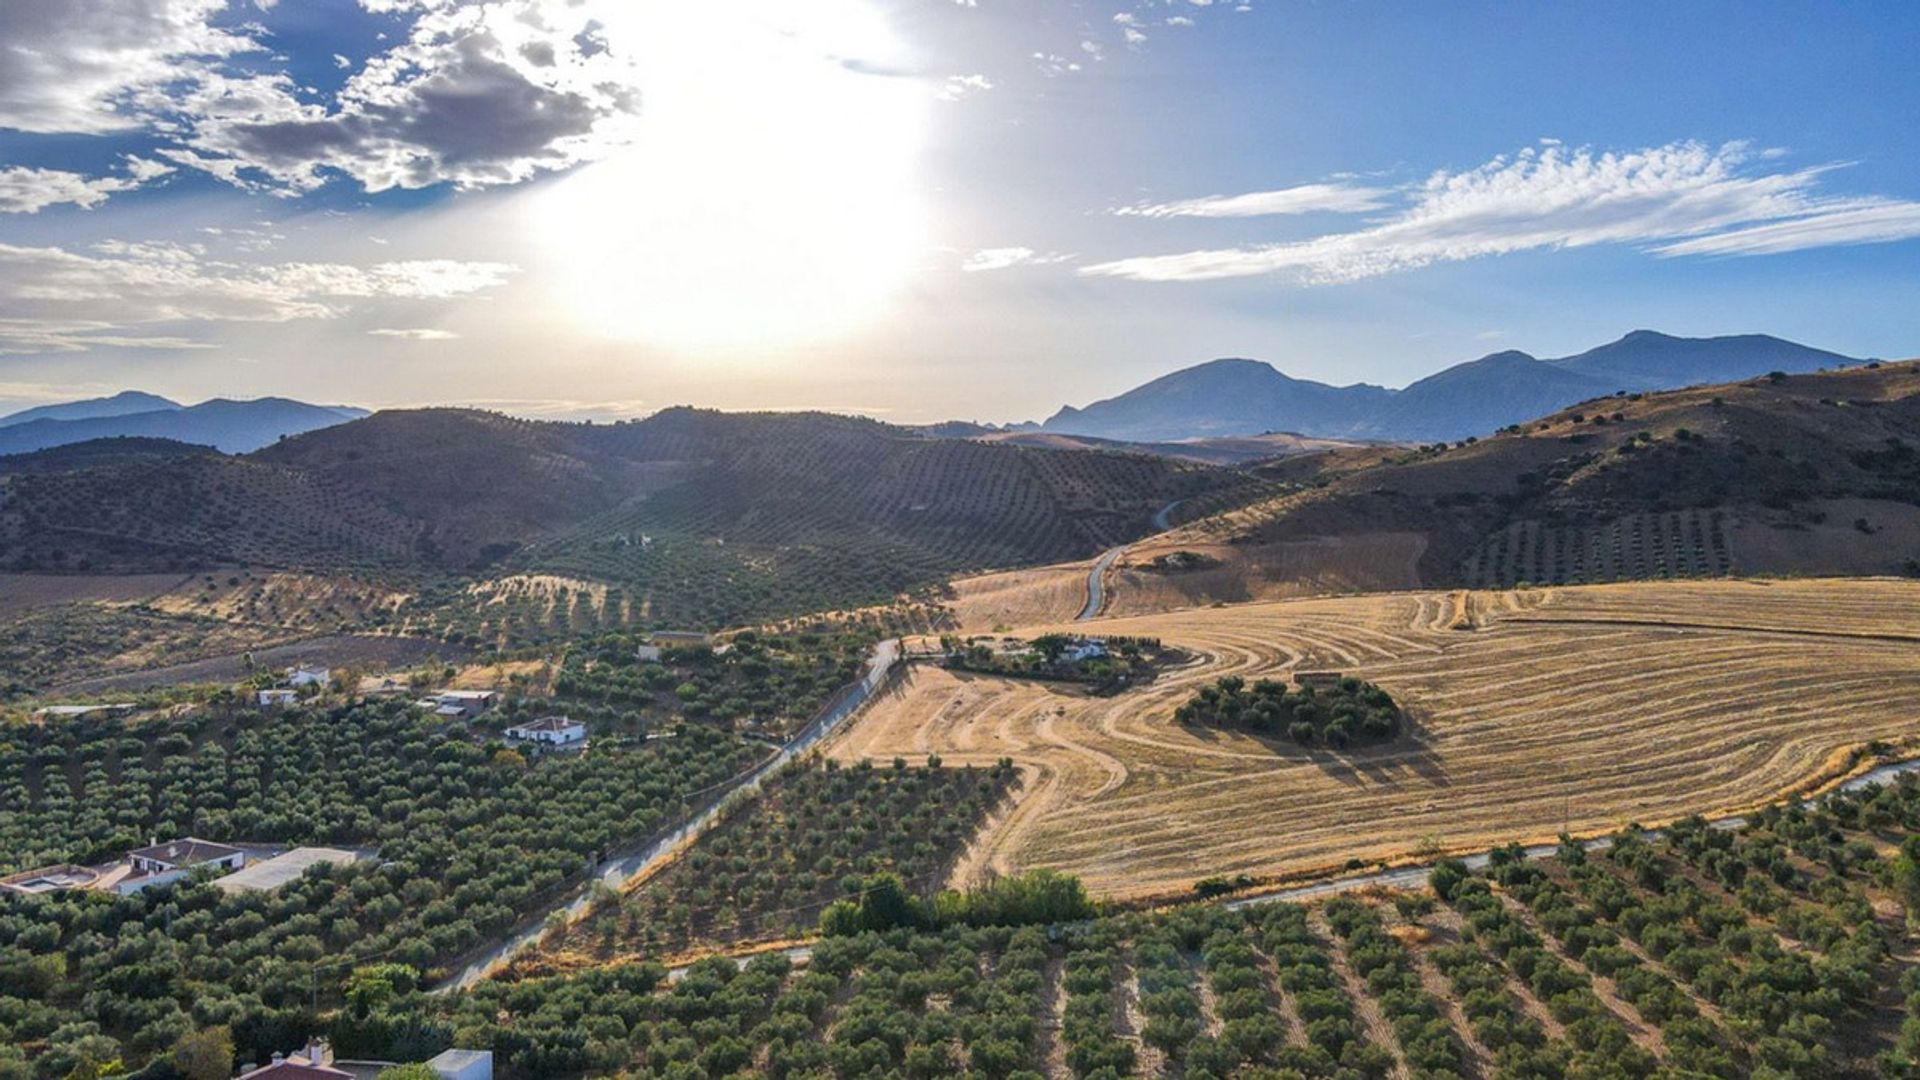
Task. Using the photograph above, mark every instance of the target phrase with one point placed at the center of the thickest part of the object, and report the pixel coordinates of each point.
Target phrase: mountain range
(234, 427)
(1249, 397)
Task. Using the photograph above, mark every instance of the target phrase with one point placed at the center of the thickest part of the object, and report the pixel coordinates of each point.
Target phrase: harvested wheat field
(1010, 598)
(1591, 706)
(1238, 573)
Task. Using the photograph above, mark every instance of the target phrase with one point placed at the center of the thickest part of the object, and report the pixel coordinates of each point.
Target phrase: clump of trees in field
(1107, 663)
(1346, 713)
(1033, 897)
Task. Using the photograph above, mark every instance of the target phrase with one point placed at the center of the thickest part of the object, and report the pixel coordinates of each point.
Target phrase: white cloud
(29, 191)
(123, 293)
(1859, 221)
(26, 190)
(1006, 258)
(475, 94)
(960, 86)
(73, 65)
(414, 333)
(478, 94)
(1304, 199)
(1678, 199)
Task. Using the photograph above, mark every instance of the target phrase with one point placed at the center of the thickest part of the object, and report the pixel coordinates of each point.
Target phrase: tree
(418, 1070)
(206, 1054)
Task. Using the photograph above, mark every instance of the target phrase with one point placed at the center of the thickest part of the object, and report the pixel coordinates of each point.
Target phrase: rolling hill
(233, 427)
(1800, 474)
(124, 403)
(1248, 397)
(686, 518)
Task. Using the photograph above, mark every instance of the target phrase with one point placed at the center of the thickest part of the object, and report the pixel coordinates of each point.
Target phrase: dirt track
(1519, 726)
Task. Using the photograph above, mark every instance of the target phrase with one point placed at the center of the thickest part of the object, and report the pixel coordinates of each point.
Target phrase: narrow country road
(617, 872)
(1096, 577)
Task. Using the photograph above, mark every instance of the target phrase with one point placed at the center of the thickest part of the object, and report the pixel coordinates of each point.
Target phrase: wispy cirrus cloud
(139, 294)
(1006, 258)
(414, 333)
(1337, 198)
(1679, 199)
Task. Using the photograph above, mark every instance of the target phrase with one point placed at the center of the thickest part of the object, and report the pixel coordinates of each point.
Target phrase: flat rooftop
(270, 874)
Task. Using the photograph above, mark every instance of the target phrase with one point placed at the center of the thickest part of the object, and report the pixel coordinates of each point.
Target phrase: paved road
(1096, 577)
(618, 872)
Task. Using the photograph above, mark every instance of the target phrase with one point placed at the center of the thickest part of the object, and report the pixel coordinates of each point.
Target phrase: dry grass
(20, 593)
(1275, 571)
(1588, 707)
(1020, 597)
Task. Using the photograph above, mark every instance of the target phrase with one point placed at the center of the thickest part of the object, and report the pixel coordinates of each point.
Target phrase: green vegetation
(815, 834)
(884, 903)
(770, 684)
(1767, 950)
(518, 532)
(1340, 715)
(1674, 544)
(468, 841)
(1107, 663)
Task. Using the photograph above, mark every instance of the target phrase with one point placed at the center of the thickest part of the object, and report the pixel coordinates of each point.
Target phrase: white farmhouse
(278, 697)
(158, 864)
(550, 730)
(1090, 649)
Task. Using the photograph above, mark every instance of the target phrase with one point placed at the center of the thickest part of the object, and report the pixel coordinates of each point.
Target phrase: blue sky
(927, 208)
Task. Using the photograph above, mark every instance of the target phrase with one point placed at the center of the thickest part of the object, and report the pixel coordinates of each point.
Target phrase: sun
(770, 197)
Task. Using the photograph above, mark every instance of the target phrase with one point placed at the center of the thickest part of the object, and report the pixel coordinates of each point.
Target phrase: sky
(927, 209)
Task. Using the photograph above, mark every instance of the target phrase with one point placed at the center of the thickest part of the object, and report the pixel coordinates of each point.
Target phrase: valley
(1644, 610)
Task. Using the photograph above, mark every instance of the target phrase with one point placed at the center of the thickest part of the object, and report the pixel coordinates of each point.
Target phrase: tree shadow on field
(1409, 754)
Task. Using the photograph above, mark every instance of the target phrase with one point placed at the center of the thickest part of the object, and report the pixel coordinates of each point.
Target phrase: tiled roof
(187, 852)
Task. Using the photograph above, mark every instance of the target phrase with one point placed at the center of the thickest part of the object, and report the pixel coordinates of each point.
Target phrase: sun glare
(770, 197)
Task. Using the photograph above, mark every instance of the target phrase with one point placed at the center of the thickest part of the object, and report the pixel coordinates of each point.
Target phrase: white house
(551, 730)
(309, 676)
(650, 654)
(1090, 649)
(158, 864)
(312, 1062)
(278, 697)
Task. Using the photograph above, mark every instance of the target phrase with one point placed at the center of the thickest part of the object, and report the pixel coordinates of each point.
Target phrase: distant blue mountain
(1249, 397)
(123, 403)
(233, 427)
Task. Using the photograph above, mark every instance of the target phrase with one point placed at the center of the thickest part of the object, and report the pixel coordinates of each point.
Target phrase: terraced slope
(1584, 707)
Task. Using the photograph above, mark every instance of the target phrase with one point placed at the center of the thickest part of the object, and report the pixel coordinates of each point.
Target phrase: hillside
(124, 403)
(1225, 450)
(688, 517)
(1248, 397)
(1816, 474)
(231, 426)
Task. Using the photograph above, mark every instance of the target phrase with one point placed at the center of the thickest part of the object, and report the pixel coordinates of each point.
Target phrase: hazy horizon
(924, 210)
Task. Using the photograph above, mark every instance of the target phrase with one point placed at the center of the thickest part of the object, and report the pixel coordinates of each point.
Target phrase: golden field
(1586, 707)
